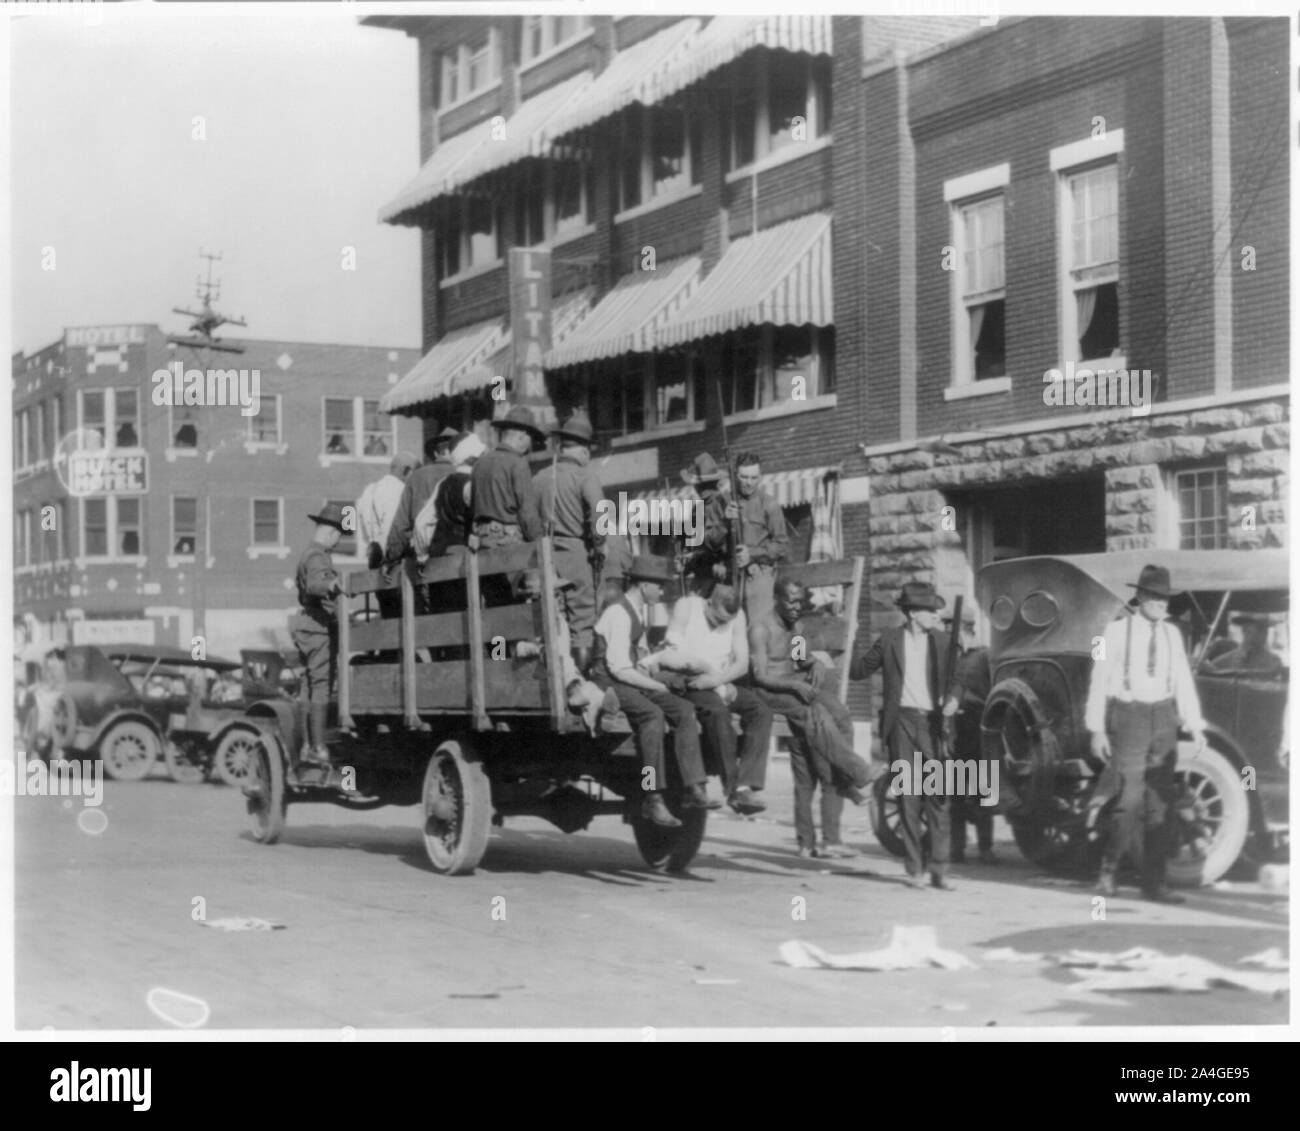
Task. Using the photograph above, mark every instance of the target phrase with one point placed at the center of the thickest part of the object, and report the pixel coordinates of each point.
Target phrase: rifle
(735, 575)
(951, 669)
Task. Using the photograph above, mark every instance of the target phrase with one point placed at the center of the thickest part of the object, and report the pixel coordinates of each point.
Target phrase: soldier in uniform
(420, 485)
(315, 630)
(706, 564)
(1253, 654)
(569, 494)
(503, 500)
(764, 538)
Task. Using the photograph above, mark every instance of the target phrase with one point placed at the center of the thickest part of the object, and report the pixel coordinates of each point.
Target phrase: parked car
(130, 703)
(1045, 613)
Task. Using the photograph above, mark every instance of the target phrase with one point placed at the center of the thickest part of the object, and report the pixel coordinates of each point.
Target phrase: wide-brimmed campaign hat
(703, 469)
(448, 435)
(645, 567)
(920, 595)
(331, 514)
(1265, 619)
(1154, 579)
(577, 427)
(521, 417)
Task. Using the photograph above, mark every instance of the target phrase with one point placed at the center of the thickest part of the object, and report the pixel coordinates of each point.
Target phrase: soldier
(620, 647)
(418, 491)
(315, 629)
(976, 681)
(503, 500)
(1141, 691)
(822, 747)
(913, 657)
(569, 494)
(764, 539)
(706, 564)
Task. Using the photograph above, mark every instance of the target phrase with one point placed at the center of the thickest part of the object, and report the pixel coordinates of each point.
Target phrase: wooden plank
(815, 574)
(823, 633)
(551, 615)
(361, 581)
(478, 692)
(341, 662)
(376, 688)
(851, 603)
(409, 714)
(443, 687)
(446, 630)
(373, 636)
(499, 559)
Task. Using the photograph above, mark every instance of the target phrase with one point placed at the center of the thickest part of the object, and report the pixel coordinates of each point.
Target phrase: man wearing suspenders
(1141, 690)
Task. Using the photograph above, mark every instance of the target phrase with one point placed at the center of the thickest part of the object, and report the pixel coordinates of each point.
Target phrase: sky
(308, 124)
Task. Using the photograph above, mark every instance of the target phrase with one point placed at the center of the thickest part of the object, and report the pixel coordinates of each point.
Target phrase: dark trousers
(651, 713)
(317, 648)
(821, 752)
(572, 564)
(968, 809)
(917, 731)
(1140, 776)
(719, 737)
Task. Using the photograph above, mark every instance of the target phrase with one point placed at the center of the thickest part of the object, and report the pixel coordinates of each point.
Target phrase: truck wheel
(887, 817)
(1213, 819)
(35, 733)
(264, 790)
(457, 799)
(670, 850)
(63, 722)
(184, 761)
(234, 754)
(1055, 849)
(129, 751)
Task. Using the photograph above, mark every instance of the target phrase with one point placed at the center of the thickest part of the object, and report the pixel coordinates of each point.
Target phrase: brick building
(826, 206)
(206, 482)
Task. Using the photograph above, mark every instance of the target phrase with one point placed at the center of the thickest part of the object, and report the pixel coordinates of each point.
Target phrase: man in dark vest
(913, 657)
(569, 496)
(315, 630)
(647, 702)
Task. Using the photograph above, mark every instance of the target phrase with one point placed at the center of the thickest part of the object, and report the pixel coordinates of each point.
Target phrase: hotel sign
(89, 336)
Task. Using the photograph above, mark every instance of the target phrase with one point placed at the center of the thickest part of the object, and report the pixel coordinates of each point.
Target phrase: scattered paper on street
(910, 948)
(1271, 959)
(235, 924)
(1010, 954)
(1144, 969)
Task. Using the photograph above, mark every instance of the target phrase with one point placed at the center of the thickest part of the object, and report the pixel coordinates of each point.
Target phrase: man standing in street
(706, 564)
(420, 485)
(1141, 691)
(764, 539)
(976, 681)
(792, 684)
(569, 496)
(647, 702)
(314, 629)
(913, 657)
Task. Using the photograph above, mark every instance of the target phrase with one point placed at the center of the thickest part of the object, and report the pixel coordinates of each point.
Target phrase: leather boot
(656, 812)
(697, 797)
(317, 722)
(582, 660)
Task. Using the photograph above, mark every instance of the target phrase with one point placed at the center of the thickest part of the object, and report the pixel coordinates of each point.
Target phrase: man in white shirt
(708, 642)
(620, 648)
(378, 504)
(1141, 690)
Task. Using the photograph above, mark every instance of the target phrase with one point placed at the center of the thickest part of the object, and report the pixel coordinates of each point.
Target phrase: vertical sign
(530, 329)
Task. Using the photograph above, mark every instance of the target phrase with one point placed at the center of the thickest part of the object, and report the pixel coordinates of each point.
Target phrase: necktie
(1151, 651)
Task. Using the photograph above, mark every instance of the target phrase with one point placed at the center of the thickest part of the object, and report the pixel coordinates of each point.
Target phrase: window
(185, 427)
(778, 101)
(980, 346)
(114, 414)
(676, 398)
(128, 527)
(530, 206)
(773, 365)
(112, 527)
(40, 432)
(658, 154)
(22, 538)
(22, 430)
(94, 532)
(543, 34)
(264, 424)
(52, 544)
(1201, 503)
(472, 236)
(617, 396)
(574, 193)
(56, 422)
(266, 522)
(185, 526)
(354, 426)
(470, 68)
(347, 545)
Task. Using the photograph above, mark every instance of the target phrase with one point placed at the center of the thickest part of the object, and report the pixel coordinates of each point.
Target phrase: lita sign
(530, 327)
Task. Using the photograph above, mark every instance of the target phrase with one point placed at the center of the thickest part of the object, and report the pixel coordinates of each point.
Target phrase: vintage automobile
(439, 711)
(130, 703)
(1044, 614)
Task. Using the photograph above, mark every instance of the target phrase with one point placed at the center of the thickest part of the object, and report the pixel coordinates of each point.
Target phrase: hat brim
(934, 605)
(531, 429)
(692, 480)
(590, 441)
(321, 520)
(1154, 592)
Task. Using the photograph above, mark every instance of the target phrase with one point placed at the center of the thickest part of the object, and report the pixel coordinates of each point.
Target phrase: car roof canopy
(1243, 571)
(162, 654)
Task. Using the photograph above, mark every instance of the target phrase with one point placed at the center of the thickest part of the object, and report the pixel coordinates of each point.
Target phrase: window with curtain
(185, 525)
(1201, 496)
(1092, 229)
(983, 288)
(129, 530)
(266, 522)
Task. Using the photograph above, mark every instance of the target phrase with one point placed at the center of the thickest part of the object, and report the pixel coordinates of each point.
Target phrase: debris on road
(1271, 959)
(910, 948)
(236, 924)
(1144, 969)
(1010, 954)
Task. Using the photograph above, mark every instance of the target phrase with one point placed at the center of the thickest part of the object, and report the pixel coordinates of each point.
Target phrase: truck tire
(63, 722)
(129, 750)
(670, 850)
(234, 754)
(1214, 818)
(457, 802)
(265, 796)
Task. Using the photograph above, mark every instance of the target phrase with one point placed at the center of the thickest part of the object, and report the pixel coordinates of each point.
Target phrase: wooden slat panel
(376, 688)
(344, 632)
(823, 634)
(408, 652)
(499, 559)
(509, 685)
(446, 630)
(372, 636)
(814, 574)
(365, 581)
(478, 692)
(551, 611)
(851, 604)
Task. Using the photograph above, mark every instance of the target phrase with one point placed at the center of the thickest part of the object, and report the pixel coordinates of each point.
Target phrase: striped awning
(726, 38)
(780, 275)
(634, 75)
(566, 314)
(628, 317)
(433, 375)
(486, 147)
(798, 487)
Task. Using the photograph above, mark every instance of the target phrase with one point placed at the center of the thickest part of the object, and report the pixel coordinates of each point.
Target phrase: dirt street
(559, 931)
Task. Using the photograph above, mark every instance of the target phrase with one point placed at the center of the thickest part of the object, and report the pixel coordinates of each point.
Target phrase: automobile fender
(282, 713)
(123, 716)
